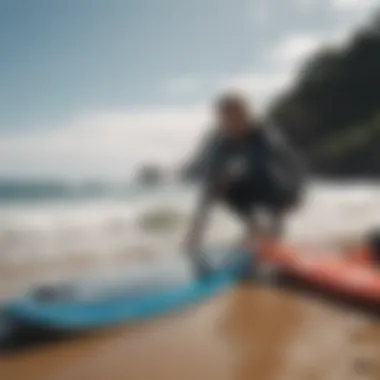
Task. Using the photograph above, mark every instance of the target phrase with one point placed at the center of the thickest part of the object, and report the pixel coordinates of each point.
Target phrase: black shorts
(244, 198)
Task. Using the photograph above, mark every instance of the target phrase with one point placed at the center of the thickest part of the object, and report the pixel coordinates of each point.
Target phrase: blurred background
(102, 103)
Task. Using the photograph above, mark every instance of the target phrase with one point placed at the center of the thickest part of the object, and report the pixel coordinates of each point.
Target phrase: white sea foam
(108, 227)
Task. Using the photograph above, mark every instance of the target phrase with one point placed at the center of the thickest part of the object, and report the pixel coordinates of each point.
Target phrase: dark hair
(232, 100)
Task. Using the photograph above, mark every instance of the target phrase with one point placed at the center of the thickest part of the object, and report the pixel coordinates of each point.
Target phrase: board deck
(71, 310)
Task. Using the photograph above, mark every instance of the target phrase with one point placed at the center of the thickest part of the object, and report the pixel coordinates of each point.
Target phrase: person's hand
(191, 243)
(193, 239)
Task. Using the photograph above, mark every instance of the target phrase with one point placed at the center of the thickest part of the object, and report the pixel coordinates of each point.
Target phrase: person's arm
(287, 165)
(198, 222)
(201, 161)
(208, 167)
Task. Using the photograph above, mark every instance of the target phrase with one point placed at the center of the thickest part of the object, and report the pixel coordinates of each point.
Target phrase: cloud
(293, 49)
(355, 5)
(290, 53)
(111, 143)
(260, 86)
(305, 5)
(262, 13)
(108, 144)
(182, 86)
(284, 61)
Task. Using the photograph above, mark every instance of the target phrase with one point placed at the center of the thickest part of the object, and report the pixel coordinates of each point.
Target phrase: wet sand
(247, 333)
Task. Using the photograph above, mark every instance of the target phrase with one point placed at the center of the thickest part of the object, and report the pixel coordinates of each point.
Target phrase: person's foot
(246, 264)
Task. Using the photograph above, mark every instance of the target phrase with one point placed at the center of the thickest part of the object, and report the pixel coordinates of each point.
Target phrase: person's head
(233, 113)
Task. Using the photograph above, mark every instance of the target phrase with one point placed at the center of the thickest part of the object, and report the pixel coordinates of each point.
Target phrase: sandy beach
(250, 332)
(156, 153)
(247, 333)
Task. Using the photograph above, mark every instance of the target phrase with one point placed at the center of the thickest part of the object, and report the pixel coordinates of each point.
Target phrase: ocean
(59, 235)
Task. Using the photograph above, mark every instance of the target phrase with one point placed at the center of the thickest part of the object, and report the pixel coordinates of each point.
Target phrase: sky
(92, 88)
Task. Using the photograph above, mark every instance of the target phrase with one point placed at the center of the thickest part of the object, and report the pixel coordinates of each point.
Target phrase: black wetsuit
(260, 169)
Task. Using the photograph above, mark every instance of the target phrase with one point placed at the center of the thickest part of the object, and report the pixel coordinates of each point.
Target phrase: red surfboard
(353, 273)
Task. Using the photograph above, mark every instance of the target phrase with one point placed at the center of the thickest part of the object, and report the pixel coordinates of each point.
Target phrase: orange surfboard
(353, 272)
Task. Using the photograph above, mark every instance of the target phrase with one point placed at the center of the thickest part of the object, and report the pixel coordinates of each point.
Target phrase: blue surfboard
(85, 306)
